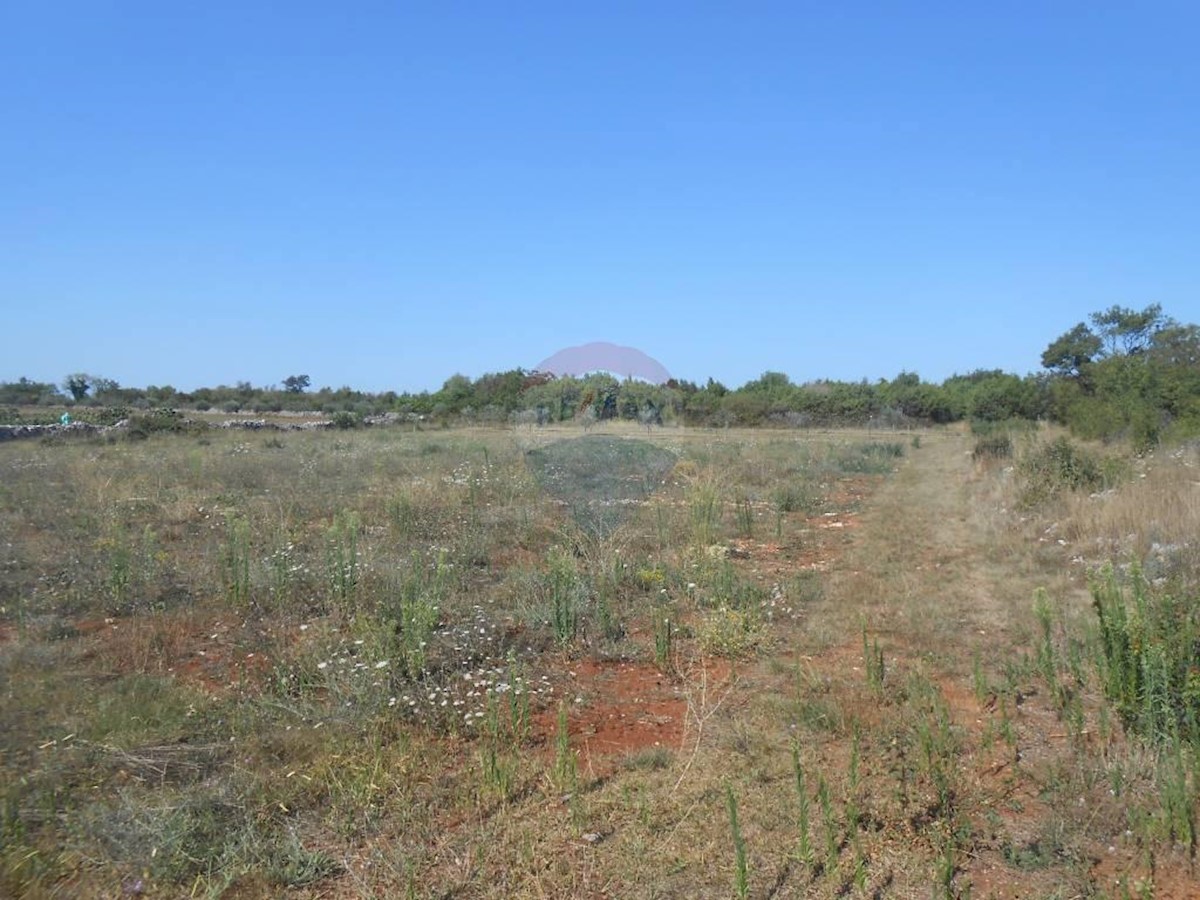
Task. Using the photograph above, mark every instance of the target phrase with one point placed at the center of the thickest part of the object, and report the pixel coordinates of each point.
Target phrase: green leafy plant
(341, 556)
(565, 765)
(1049, 469)
(235, 562)
(873, 659)
(741, 873)
(804, 851)
(1148, 669)
(565, 588)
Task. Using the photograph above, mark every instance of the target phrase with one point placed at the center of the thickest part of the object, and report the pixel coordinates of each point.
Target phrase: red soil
(616, 709)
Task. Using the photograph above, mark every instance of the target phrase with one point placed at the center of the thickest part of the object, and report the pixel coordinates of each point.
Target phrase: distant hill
(602, 356)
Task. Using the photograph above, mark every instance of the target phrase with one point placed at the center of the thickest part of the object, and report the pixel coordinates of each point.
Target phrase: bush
(1050, 469)
(1149, 666)
(142, 425)
(994, 446)
(730, 633)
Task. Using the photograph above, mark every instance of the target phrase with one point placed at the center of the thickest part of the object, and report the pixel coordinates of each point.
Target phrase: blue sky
(384, 194)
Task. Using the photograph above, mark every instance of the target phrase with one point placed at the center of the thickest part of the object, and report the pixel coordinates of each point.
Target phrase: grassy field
(631, 663)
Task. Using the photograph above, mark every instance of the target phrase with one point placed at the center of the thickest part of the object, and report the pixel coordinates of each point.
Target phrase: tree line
(1124, 373)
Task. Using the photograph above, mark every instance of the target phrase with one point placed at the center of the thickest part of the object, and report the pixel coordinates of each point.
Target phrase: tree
(1129, 331)
(296, 384)
(27, 393)
(103, 386)
(78, 385)
(1071, 353)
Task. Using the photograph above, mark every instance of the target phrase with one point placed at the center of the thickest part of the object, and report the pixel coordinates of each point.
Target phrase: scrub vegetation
(592, 656)
(509, 663)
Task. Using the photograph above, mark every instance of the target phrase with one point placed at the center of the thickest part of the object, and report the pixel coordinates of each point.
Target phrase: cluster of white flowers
(467, 700)
(357, 673)
(778, 604)
(468, 474)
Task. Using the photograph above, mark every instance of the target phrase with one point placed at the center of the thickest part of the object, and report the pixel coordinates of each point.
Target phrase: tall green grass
(1150, 667)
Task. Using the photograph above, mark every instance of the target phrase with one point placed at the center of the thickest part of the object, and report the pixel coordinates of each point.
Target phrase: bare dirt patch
(616, 709)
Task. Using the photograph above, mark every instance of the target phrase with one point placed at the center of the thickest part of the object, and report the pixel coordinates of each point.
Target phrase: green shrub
(875, 458)
(797, 496)
(1148, 666)
(729, 632)
(1050, 469)
(997, 445)
(143, 424)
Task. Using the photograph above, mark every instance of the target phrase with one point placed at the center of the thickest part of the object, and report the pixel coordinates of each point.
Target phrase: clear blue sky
(383, 194)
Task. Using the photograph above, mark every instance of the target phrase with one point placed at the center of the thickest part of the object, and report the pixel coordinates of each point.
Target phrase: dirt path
(944, 582)
(937, 566)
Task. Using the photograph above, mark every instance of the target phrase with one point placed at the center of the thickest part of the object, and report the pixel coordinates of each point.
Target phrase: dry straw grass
(333, 665)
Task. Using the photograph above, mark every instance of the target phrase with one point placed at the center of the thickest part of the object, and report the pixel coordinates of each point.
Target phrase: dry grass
(332, 665)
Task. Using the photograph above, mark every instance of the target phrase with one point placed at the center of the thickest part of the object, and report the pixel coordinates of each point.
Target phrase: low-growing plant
(235, 562)
(797, 497)
(833, 841)
(664, 639)
(341, 556)
(1050, 469)
(744, 510)
(1148, 641)
(650, 578)
(997, 445)
(741, 872)
(565, 764)
(704, 512)
(875, 458)
(566, 591)
(804, 852)
(728, 632)
(873, 661)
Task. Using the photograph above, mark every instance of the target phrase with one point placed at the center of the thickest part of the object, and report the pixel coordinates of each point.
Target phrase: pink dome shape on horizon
(625, 362)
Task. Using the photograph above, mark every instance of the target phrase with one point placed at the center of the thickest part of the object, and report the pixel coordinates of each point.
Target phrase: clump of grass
(797, 497)
(664, 640)
(744, 510)
(566, 590)
(833, 841)
(729, 632)
(875, 458)
(341, 559)
(992, 446)
(414, 609)
(873, 661)
(704, 509)
(566, 772)
(649, 759)
(498, 771)
(741, 871)
(1148, 666)
(804, 850)
(235, 562)
(131, 561)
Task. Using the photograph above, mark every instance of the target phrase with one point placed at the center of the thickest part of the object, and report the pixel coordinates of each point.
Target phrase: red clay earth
(616, 709)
